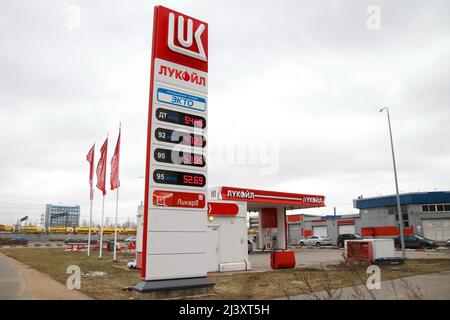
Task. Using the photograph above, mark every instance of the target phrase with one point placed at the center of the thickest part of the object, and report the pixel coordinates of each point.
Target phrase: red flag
(90, 159)
(114, 179)
(101, 167)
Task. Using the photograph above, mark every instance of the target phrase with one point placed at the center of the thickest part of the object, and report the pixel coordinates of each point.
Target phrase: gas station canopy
(257, 199)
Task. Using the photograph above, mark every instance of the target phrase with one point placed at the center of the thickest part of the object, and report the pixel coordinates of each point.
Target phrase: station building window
(436, 208)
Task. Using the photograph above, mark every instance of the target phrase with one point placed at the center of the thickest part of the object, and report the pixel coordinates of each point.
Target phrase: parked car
(315, 241)
(76, 240)
(413, 241)
(249, 246)
(19, 241)
(130, 239)
(347, 236)
(448, 243)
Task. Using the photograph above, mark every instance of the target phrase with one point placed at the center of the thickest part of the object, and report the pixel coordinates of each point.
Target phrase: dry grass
(251, 285)
(54, 262)
(292, 282)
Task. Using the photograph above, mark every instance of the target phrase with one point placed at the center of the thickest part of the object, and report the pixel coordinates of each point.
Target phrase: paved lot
(18, 282)
(313, 257)
(434, 286)
(10, 282)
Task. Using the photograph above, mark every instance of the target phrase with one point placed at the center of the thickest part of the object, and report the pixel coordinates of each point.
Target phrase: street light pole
(399, 210)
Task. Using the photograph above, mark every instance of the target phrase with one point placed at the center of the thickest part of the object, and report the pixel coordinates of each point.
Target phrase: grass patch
(290, 282)
(261, 285)
(54, 262)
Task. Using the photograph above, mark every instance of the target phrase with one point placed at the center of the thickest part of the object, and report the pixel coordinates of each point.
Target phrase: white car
(315, 241)
(132, 239)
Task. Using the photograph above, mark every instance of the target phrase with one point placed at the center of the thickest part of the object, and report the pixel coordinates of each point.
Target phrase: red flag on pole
(114, 178)
(101, 167)
(90, 159)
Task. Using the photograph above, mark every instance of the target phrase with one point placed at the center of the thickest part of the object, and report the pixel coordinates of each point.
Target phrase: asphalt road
(20, 282)
(10, 281)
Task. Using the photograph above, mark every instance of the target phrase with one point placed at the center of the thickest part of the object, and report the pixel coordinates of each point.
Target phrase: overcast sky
(294, 93)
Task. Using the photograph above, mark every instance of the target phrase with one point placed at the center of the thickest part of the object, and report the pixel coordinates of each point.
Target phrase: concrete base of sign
(173, 288)
(235, 266)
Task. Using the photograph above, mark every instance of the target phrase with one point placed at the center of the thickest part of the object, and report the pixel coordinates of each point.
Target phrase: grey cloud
(309, 75)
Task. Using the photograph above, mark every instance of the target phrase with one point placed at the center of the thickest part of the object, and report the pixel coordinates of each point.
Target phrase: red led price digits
(193, 180)
(194, 140)
(179, 157)
(193, 121)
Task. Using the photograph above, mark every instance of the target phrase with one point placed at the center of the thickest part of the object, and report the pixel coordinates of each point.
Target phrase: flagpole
(115, 229)
(90, 158)
(90, 225)
(116, 170)
(101, 228)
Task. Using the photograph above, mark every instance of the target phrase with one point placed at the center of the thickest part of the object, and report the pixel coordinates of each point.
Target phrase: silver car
(315, 241)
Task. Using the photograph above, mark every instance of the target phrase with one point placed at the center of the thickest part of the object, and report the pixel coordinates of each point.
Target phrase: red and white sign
(272, 197)
(178, 199)
(221, 208)
(181, 39)
(175, 206)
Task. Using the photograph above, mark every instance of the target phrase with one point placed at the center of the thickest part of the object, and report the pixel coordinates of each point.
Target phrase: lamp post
(399, 211)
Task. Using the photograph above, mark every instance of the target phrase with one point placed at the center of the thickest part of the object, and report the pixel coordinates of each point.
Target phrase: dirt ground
(243, 285)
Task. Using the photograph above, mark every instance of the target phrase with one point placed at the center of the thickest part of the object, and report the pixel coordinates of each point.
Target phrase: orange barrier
(282, 259)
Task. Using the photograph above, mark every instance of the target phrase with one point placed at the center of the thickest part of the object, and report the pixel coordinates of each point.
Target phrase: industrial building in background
(62, 215)
(304, 225)
(423, 213)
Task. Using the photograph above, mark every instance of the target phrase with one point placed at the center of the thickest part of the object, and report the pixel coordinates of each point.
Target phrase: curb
(418, 250)
(33, 245)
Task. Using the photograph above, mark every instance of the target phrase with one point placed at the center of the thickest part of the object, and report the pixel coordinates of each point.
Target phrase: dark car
(76, 240)
(414, 241)
(448, 243)
(347, 236)
(19, 241)
(14, 241)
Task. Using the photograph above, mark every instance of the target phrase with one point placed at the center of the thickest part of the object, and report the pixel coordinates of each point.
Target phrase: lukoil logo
(188, 41)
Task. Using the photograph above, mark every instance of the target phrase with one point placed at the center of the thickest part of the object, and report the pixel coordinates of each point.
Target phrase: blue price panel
(180, 99)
